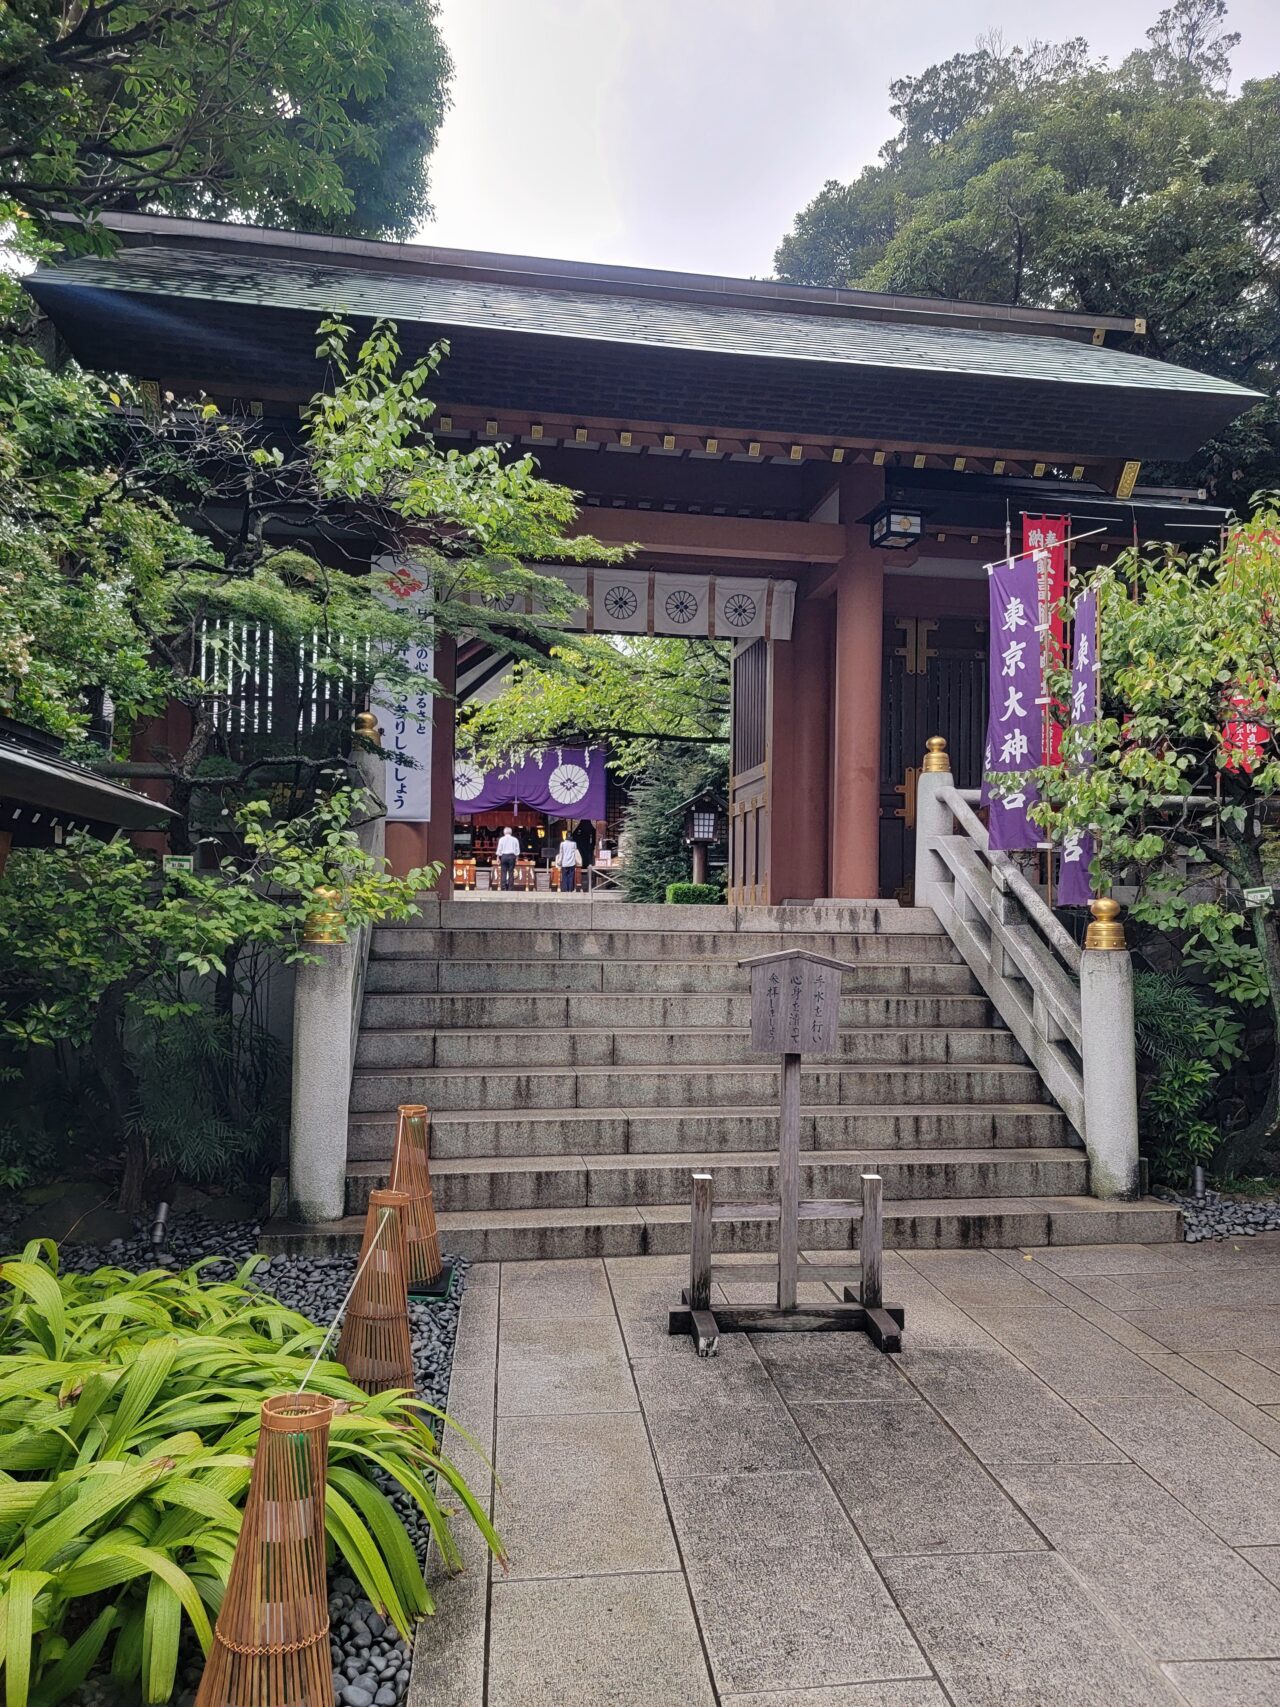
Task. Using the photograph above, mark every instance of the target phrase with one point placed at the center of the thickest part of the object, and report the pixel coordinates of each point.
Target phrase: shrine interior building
(818, 476)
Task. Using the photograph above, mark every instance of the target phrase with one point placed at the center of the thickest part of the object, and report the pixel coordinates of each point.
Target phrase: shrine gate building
(750, 438)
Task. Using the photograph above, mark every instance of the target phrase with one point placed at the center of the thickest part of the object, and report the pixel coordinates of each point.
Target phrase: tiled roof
(608, 318)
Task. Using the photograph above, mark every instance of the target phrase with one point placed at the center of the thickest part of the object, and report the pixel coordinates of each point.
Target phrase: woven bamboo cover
(411, 1174)
(375, 1331)
(271, 1641)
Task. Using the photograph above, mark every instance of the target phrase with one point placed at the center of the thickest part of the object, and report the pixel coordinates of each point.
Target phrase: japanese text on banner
(1013, 715)
(1075, 888)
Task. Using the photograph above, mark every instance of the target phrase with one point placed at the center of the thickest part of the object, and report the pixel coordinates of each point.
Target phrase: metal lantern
(375, 1345)
(411, 1174)
(895, 527)
(271, 1641)
(704, 823)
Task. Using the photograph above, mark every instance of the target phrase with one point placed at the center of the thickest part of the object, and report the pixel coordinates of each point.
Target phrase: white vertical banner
(406, 713)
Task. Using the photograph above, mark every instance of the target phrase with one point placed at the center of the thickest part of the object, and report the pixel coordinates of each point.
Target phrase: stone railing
(328, 996)
(1071, 1009)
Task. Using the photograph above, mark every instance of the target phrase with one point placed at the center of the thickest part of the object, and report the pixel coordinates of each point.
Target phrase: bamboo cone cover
(271, 1641)
(375, 1331)
(411, 1174)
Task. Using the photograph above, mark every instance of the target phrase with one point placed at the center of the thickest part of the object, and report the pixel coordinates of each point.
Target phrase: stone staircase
(581, 1058)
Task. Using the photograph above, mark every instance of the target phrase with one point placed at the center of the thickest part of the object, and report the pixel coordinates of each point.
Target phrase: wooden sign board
(795, 1004)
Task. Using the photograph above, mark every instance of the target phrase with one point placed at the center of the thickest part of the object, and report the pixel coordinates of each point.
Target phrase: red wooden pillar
(800, 755)
(411, 843)
(859, 629)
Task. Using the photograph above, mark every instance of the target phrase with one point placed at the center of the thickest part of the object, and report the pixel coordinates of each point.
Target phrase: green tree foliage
(1044, 176)
(100, 950)
(125, 542)
(1187, 648)
(129, 1416)
(656, 853)
(637, 694)
(312, 112)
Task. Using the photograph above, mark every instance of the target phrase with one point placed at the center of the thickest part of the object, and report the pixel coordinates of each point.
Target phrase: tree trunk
(120, 1089)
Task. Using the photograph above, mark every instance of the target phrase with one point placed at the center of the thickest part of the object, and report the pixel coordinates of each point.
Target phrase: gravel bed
(370, 1662)
(1215, 1216)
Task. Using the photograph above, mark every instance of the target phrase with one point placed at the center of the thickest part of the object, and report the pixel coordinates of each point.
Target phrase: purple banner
(1075, 888)
(1015, 718)
(564, 782)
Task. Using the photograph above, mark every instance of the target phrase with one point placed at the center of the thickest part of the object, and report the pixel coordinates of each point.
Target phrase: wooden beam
(733, 537)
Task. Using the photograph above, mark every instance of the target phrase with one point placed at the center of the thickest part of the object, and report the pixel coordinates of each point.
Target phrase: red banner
(1046, 534)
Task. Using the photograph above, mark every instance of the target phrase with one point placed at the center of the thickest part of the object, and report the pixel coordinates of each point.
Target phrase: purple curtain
(564, 782)
(1015, 717)
(1074, 886)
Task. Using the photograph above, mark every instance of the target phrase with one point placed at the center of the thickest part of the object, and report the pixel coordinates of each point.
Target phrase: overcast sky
(688, 133)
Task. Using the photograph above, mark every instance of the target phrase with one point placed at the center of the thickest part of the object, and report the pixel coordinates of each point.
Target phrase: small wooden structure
(795, 1010)
(271, 1641)
(429, 1275)
(375, 1345)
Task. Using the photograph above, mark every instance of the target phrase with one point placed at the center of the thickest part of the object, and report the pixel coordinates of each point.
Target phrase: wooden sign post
(795, 1010)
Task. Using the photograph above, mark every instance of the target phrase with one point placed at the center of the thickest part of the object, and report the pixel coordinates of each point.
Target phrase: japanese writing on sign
(1013, 715)
(1075, 887)
(406, 713)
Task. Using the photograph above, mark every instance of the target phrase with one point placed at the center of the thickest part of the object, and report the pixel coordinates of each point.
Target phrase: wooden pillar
(859, 627)
(800, 755)
(409, 842)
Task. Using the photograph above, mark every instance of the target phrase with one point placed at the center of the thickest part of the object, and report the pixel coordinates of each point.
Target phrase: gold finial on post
(935, 754)
(366, 726)
(327, 919)
(1106, 931)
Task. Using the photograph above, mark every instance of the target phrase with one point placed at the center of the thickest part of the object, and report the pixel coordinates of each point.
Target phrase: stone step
(575, 1182)
(626, 1010)
(463, 976)
(958, 1223)
(705, 1084)
(655, 1047)
(674, 943)
(615, 1131)
(557, 912)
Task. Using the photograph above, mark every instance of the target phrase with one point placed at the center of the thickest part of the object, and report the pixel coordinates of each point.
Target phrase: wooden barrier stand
(795, 1010)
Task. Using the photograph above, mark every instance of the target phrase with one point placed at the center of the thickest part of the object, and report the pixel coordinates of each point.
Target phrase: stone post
(1107, 1047)
(321, 1082)
(932, 819)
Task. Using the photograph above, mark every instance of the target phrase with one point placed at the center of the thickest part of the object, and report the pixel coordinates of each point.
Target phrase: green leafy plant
(133, 942)
(694, 894)
(1189, 655)
(1186, 1044)
(654, 829)
(129, 1412)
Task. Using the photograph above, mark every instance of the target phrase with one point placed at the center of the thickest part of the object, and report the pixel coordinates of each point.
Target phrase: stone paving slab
(1247, 1683)
(811, 1612)
(908, 1484)
(610, 1641)
(1041, 1502)
(845, 1695)
(1021, 1627)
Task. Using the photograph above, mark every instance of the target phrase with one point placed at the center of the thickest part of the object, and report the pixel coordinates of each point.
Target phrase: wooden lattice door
(935, 683)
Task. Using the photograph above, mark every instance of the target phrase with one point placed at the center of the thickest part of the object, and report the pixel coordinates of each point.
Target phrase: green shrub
(695, 894)
(1185, 1044)
(129, 1410)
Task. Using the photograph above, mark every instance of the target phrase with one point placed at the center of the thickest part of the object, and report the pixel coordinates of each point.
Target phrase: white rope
(341, 1310)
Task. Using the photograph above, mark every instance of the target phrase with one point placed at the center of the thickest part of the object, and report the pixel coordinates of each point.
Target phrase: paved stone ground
(1064, 1491)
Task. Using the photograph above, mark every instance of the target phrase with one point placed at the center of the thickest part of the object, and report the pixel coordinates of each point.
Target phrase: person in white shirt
(508, 853)
(568, 859)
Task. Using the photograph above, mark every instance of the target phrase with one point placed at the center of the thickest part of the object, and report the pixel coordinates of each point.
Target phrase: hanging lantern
(429, 1274)
(1244, 736)
(271, 1641)
(375, 1343)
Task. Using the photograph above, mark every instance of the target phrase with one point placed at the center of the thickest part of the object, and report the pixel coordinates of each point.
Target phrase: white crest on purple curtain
(1074, 886)
(1014, 715)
